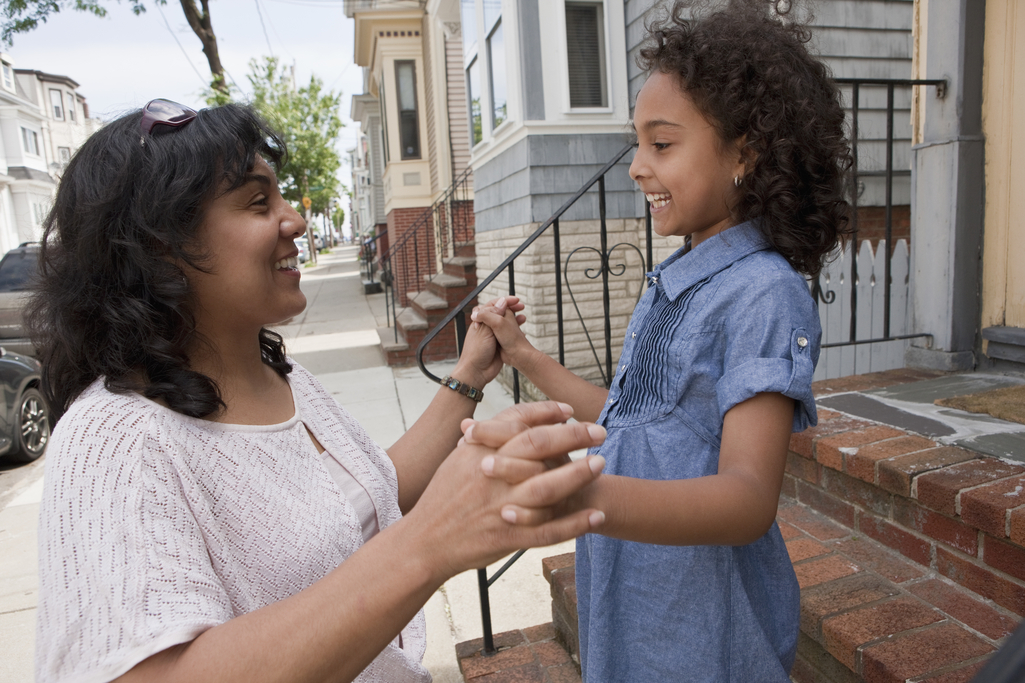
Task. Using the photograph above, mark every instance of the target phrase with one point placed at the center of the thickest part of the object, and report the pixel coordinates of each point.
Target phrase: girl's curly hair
(748, 70)
(112, 299)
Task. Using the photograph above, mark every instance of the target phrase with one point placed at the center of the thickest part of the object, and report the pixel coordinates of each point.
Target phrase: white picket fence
(836, 316)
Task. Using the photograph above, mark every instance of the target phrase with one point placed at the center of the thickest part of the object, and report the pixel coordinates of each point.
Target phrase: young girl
(741, 146)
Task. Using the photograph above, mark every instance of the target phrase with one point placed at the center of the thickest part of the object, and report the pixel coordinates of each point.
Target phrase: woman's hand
(501, 317)
(467, 519)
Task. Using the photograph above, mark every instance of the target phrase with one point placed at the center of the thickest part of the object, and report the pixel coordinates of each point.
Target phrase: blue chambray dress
(717, 325)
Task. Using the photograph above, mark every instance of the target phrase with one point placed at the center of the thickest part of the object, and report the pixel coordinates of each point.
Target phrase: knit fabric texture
(155, 527)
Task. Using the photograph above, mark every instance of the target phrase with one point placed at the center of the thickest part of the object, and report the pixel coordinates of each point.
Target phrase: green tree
(21, 16)
(308, 119)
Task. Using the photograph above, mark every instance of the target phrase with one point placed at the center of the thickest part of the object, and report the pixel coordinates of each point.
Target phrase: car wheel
(32, 427)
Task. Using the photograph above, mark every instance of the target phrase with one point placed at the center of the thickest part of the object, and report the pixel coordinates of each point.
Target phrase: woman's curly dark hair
(747, 67)
(112, 299)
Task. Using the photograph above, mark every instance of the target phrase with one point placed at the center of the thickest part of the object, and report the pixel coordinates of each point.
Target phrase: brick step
(531, 655)
(428, 306)
(467, 249)
(462, 266)
(448, 287)
(412, 329)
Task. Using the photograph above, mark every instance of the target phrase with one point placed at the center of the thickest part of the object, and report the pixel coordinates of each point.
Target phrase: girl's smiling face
(252, 275)
(684, 169)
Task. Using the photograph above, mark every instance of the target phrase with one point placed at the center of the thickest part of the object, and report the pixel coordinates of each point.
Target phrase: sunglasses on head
(162, 112)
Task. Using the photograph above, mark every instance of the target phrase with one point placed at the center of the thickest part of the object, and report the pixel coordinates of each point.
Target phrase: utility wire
(264, 27)
(180, 46)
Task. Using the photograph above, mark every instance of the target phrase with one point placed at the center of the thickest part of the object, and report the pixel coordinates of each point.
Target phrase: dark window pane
(409, 125)
(586, 55)
(18, 271)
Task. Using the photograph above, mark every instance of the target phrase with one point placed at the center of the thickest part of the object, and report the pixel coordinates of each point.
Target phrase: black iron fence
(858, 174)
(609, 268)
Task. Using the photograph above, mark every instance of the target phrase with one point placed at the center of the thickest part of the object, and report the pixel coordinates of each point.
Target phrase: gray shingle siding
(529, 181)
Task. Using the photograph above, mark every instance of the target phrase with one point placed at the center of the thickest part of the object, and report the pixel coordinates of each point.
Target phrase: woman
(210, 512)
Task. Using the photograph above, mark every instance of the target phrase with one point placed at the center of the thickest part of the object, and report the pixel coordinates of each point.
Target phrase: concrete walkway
(336, 339)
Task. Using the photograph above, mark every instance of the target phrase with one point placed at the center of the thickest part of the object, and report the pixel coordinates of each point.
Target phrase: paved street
(336, 339)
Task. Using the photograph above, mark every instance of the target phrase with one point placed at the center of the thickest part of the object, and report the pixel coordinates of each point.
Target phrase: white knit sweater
(155, 527)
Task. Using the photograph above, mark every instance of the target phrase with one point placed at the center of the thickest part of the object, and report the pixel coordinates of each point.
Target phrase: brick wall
(415, 257)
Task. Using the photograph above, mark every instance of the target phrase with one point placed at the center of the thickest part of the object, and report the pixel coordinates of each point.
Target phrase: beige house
(968, 286)
(1003, 112)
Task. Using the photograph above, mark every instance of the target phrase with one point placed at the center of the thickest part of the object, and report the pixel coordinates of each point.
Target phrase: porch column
(948, 188)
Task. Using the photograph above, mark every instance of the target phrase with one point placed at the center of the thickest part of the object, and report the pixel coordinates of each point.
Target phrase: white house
(43, 120)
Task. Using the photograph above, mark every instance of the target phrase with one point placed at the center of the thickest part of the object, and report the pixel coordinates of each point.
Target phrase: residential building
(967, 217)
(43, 120)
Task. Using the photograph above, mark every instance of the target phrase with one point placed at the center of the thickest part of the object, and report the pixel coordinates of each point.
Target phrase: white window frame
(8, 77)
(57, 108)
(30, 141)
(568, 108)
(72, 115)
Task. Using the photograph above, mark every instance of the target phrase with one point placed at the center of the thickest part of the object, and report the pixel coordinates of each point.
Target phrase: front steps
(428, 307)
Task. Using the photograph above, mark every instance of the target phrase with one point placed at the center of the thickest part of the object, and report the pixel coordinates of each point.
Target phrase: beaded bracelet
(466, 390)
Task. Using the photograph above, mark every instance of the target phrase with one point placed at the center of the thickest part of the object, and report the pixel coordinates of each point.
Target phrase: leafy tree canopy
(308, 120)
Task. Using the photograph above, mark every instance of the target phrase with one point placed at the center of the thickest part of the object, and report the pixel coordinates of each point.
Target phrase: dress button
(802, 341)
(633, 336)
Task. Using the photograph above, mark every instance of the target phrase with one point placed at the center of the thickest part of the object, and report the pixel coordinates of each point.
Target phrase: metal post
(854, 212)
(485, 612)
(889, 207)
(558, 293)
(605, 280)
(512, 292)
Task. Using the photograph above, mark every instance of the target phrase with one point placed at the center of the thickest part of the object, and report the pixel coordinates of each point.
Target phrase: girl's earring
(737, 180)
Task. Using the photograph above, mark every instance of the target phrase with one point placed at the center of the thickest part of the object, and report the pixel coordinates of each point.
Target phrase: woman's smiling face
(252, 275)
(685, 171)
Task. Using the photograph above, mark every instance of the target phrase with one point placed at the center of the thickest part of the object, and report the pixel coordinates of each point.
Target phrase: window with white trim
(585, 50)
(409, 117)
(497, 80)
(30, 141)
(8, 76)
(71, 106)
(57, 104)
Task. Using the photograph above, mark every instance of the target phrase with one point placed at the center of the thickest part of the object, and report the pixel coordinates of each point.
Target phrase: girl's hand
(480, 362)
(463, 518)
(502, 318)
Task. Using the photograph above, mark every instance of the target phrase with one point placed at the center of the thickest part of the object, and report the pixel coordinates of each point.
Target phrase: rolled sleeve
(788, 376)
(772, 345)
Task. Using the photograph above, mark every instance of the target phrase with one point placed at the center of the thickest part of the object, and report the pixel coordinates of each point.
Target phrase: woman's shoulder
(98, 408)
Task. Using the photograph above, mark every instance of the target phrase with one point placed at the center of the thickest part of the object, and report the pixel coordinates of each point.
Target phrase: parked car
(304, 249)
(24, 415)
(17, 270)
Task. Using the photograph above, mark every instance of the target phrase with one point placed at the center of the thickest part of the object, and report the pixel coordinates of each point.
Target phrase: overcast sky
(122, 61)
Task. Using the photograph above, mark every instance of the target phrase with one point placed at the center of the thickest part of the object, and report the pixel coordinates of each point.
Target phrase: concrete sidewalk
(336, 339)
